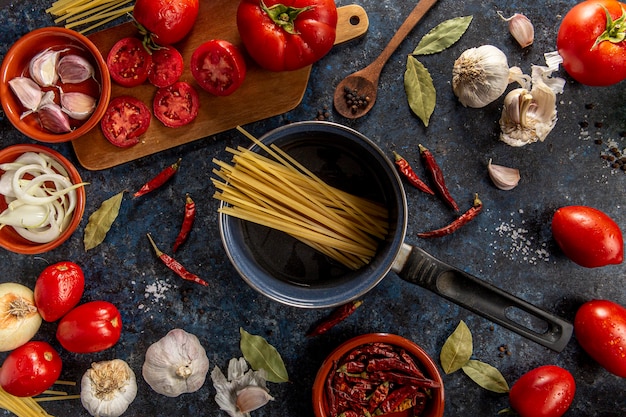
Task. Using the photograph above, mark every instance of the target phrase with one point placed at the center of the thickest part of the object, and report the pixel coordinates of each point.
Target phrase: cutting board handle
(352, 22)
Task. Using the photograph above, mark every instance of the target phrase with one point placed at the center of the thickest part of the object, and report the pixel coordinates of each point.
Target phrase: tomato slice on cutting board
(126, 119)
(176, 105)
(129, 62)
(167, 66)
(218, 67)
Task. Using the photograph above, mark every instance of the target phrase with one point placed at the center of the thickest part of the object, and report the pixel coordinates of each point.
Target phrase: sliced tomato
(218, 66)
(129, 62)
(167, 66)
(176, 105)
(126, 119)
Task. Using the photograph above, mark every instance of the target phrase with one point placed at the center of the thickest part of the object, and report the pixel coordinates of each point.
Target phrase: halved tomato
(218, 66)
(167, 66)
(176, 105)
(126, 119)
(129, 62)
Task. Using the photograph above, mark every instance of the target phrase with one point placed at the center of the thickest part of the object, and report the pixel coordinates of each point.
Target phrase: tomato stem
(615, 30)
(284, 16)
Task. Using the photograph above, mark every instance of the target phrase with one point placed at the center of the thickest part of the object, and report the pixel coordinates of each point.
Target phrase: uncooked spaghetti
(280, 193)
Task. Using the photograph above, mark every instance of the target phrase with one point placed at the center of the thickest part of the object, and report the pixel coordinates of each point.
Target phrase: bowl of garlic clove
(54, 85)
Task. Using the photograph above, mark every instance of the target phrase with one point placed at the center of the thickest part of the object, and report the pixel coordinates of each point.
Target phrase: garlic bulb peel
(108, 388)
(504, 178)
(239, 378)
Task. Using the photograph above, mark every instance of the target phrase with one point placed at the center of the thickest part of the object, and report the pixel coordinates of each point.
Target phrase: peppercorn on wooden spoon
(364, 83)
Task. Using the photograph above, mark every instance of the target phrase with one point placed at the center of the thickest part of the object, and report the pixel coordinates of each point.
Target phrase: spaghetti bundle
(83, 12)
(280, 193)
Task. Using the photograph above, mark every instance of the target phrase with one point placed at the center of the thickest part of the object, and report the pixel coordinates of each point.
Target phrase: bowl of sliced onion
(54, 85)
(42, 198)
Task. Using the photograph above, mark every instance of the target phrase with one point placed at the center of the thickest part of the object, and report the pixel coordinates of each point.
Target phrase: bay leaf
(261, 355)
(487, 376)
(420, 90)
(457, 350)
(443, 36)
(101, 220)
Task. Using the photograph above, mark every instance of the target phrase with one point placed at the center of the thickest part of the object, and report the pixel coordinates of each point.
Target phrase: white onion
(20, 318)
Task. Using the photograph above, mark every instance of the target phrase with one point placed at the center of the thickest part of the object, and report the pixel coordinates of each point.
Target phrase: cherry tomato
(546, 391)
(167, 66)
(594, 50)
(30, 369)
(90, 327)
(600, 328)
(218, 67)
(166, 21)
(176, 105)
(58, 289)
(587, 236)
(285, 35)
(125, 120)
(129, 62)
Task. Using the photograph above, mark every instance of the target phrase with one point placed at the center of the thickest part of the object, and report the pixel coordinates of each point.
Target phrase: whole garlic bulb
(480, 75)
(108, 388)
(176, 364)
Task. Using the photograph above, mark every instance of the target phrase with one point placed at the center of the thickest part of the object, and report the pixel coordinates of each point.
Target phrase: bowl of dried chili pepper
(378, 374)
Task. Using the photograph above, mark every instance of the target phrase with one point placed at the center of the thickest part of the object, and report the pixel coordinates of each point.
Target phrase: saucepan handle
(419, 267)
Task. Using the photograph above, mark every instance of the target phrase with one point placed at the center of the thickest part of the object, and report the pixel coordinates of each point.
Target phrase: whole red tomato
(588, 236)
(289, 34)
(600, 328)
(218, 67)
(594, 50)
(58, 289)
(30, 369)
(90, 327)
(546, 391)
(166, 21)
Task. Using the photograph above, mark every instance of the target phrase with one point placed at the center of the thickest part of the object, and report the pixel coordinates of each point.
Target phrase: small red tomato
(125, 120)
(90, 327)
(129, 62)
(176, 105)
(30, 369)
(58, 289)
(600, 328)
(166, 21)
(546, 391)
(587, 236)
(167, 66)
(218, 67)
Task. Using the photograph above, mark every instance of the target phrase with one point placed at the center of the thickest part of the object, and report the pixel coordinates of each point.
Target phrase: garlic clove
(27, 91)
(504, 178)
(43, 67)
(252, 398)
(52, 118)
(521, 28)
(78, 106)
(74, 69)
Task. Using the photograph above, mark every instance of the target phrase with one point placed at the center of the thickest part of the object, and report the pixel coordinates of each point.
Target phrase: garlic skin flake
(480, 76)
(176, 364)
(245, 390)
(108, 388)
(504, 178)
(521, 28)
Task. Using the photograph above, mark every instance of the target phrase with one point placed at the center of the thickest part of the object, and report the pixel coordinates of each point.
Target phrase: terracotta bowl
(16, 63)
(9, 238)
(434, 405)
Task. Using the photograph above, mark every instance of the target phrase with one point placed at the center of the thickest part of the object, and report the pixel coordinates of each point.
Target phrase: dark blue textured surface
(509, 245)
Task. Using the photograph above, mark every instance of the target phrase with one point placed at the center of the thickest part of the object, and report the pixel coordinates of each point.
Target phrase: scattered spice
(323, 114)
(190, 216)
(459, 222)
(176, 266)
(159, 179)
(337, 315)
(354, 100)
(503, 350)
(410, 175)
(436, 174)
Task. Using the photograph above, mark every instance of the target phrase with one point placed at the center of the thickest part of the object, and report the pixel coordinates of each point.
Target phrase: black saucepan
(292, 273)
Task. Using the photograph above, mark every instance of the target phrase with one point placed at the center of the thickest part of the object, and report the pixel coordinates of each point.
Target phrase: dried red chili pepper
(337, 315)
(459, 222)
(190, 216)
(176, 266)
(159, 179)
(389, 364)
(396, 398)
(403, 379)
(352, 367)
(436, 174)
(330, 394)
(408, 172)
(378, 396)
(411, 363)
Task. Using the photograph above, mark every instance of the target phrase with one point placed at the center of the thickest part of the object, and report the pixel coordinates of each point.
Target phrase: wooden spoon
(365, 81)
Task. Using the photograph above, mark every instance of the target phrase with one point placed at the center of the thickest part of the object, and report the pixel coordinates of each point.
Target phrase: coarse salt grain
(520, 246)
(157, 291)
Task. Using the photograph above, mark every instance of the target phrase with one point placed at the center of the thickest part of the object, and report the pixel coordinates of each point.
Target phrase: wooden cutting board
(263, 94)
